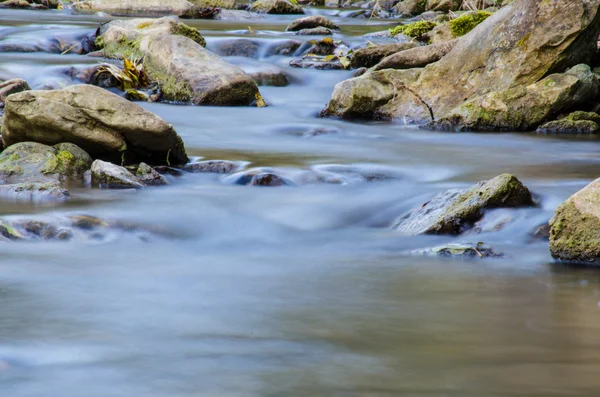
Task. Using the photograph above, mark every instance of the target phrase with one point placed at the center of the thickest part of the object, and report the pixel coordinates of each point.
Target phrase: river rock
(575, 227)
(276, 7)
(34, 162)
(34, 192)
(203, 78)
(461, 250)
(120, 38)
(284, 47)
(409, 8)
(416, 57)
(362, 96)
(100, 122)
(148, 176)
(313, 21)
(455, 211)
(264, 74)
(237, 47)
(319, 31)
(517, 46)
(112, 176)
(12, 87)
(140, 8)
(575, 123)
(213, 166)
(524, 108)
(370, 56)
(443, 5)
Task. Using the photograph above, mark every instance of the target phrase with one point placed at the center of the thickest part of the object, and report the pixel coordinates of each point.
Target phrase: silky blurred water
(299, 290)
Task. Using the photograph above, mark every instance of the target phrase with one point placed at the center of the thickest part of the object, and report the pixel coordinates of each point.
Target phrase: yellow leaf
(260, 101)
(250, 30)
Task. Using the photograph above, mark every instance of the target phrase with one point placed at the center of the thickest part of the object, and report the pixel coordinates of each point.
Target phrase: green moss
(145, 25)
(123, 49)
(465, 23)
(172, 88)
(182, 29)
(9, 168)
(415, 29)
(523, 42)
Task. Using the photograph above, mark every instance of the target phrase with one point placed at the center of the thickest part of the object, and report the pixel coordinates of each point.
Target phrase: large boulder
(455, 211)
(575, 227)
(517, 46)
(276, 7)
(100, 122)
(525, 108)
(140, 8)
(184, 70)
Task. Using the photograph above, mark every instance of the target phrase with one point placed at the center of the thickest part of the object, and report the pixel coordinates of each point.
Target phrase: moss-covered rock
(455, 211)
(465, 23)
(34, 162)
(566, 126)
(575, 227)
(414, 29)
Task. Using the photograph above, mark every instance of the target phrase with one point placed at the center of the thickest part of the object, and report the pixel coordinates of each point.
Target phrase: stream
(297, 290)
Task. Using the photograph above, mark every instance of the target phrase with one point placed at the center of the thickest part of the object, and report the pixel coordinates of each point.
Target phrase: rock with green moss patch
(465, 23)
(140, 8)
(111, 176)
(121, 38)
(33, 162)
(524, 108)
(100, 122)
(456, 211)
(225, 4)
(276, 7)
(566, 126)
(575, 227)
(203, 77)
(415, 29)
(581, 115)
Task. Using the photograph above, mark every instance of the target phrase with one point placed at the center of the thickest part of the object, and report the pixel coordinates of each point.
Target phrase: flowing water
(298, 290)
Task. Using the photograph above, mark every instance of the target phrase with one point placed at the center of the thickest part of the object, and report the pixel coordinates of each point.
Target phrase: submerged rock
(313, 21)
(276, 7)
(100, 122)
(237, 47)
(575, 227)
(319, 31)
(455, 211)
(112, 176)
(34, 191)
(462, 250)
